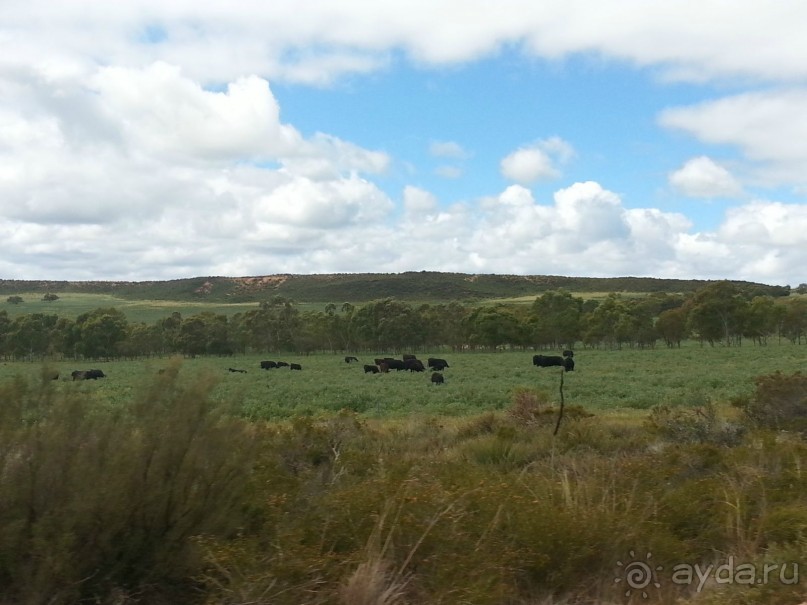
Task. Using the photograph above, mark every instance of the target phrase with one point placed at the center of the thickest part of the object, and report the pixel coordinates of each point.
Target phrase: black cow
(282, 364)
(379, 360)
(437, 378)
(383, 367)
(368, 369)
(408, 356)
(350, 358)
(395, 364)
(568, 353)
(548, 361)
(236, 370)
(87, 374)
(435, 363)
(414, 365)
(295, 366)
(266, 365)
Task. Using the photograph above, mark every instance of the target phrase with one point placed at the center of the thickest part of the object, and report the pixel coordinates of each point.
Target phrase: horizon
(389, 274)
(597, 139)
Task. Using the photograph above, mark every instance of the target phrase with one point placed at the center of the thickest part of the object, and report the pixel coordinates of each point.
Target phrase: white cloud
(768, 127)
(704, 178)
(536, 162)
(447, 149)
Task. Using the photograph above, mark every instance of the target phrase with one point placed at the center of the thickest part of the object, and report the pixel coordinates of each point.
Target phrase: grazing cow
(547, 361)
(368, 369)
(295, 366)
(408, 356)
(437, 378)
(350, 358)
(265, 365)
(395, 364)
(414, 365)
(379, 360)
(282, 364)
(236, 370)
(435, 363)
(87, 374)
(383, 367)
(568, 353)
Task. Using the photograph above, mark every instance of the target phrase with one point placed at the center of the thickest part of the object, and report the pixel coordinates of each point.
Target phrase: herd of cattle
(380, 365)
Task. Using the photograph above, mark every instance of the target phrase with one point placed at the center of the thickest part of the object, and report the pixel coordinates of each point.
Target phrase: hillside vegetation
(361, 287)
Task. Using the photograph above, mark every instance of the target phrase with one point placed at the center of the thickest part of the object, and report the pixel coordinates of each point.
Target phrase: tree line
(721, 313)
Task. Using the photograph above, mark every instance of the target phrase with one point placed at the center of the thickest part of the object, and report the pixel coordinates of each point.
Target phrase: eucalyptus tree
(555, 317)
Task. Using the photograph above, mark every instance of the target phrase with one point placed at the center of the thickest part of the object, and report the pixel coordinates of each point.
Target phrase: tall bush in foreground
(99, 500)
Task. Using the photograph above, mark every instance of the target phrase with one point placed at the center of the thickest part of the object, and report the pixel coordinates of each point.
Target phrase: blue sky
(174, 139)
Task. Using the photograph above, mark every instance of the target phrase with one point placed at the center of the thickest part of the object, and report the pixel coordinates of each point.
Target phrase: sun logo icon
(638, 575)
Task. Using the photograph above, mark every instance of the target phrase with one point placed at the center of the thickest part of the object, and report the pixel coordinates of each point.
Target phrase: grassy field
(343, 487)
(612, 380)
(149, 311)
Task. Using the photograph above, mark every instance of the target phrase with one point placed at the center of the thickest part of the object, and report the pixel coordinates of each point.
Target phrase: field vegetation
(173, 480)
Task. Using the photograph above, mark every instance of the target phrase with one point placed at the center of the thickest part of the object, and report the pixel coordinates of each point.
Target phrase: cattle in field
(266, 365)
(395, 364)
(378, 361)
(87, 374)
(408, 356)
(437, 378)
(295, 366)
(282, 364)
(414, 365)
(350, 358)
(547, 361)
(568, 353)
(368, 369)
(383, 367)
(435, 363)
(239, 371)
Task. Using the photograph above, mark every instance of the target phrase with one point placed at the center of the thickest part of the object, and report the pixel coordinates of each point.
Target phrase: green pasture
(149, 311)
(626, 381)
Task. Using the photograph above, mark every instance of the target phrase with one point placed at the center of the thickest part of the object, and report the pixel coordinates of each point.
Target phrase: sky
(163, 139)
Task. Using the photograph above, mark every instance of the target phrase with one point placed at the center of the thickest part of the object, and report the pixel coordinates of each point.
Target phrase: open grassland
(612, 380)
(149, 311)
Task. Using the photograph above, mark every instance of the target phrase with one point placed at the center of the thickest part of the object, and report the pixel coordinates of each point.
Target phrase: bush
(98, 500)
(779, 402)
(693, 425)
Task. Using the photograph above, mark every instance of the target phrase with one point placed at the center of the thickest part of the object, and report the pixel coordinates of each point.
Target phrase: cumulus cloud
(536, 162)
(146, 141)
(704, 178)
(767, 127)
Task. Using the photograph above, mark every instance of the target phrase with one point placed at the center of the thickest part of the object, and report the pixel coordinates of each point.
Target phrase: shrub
(693, 425)
(779, 402)
(98, 500)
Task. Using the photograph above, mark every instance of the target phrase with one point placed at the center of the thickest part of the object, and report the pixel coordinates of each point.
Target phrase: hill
(426, 286)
